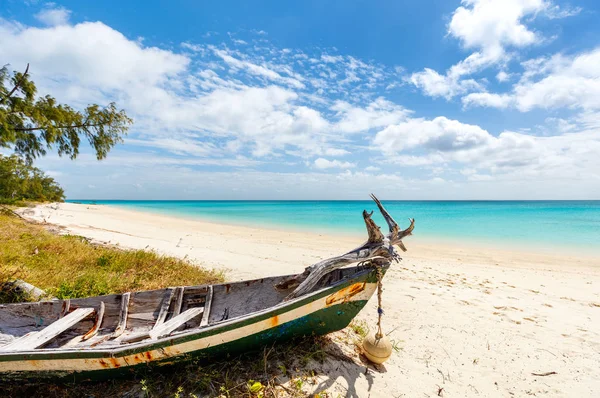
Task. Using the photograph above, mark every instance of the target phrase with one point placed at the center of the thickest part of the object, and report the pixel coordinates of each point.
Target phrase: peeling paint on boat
(346, 293)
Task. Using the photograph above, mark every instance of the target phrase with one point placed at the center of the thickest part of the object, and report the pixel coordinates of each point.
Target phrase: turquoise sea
(556, 225)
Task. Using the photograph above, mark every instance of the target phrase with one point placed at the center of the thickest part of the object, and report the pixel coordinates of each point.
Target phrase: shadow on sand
(344, 369)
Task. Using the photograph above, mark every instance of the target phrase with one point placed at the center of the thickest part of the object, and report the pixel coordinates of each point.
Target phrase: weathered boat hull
(324, 311)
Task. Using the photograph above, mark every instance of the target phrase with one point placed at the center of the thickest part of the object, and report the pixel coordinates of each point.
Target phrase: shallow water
(550, 224)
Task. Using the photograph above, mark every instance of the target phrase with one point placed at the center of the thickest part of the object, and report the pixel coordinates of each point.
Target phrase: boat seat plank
(179, 302)
(33, 341)
(207, 304)
(164, 308)
(175, 322)
(166, 328)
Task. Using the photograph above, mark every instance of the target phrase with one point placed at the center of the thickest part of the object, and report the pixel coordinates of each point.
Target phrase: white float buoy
(376, 346)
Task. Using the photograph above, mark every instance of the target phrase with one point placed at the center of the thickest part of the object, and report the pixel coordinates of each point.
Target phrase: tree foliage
(33, 125)
(19, 180)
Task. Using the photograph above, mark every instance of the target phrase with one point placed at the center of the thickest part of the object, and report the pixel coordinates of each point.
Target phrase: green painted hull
(333, 317)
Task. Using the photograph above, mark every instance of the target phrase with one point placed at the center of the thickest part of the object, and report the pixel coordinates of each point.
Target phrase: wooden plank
(164, 308)
(179, 303)
(34, 341)
(122, 315)
(207, 304)
(165, 328)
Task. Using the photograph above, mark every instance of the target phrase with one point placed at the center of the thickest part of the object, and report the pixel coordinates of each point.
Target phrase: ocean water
(556, 225)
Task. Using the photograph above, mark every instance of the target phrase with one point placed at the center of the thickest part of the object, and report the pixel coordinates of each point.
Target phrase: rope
(379, 333)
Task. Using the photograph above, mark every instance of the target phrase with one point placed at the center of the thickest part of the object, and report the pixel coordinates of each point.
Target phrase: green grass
(359, 327)
(68, 266)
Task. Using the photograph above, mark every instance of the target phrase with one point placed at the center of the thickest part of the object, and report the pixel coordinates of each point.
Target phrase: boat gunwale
(189, 335)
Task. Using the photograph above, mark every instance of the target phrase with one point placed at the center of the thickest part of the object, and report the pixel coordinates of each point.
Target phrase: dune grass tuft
(68, 266)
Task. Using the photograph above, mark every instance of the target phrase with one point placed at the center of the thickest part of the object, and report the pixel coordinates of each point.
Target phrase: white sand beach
(469, 321)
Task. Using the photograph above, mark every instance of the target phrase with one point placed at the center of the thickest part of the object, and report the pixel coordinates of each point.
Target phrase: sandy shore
(470, 321)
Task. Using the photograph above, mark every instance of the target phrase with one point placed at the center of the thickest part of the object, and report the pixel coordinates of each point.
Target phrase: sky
(433, 100)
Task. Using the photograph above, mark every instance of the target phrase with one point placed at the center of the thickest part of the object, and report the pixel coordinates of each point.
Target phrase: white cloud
(336, 152)
(510, 155)
(503, 76)
(556, 82)
(556, 12)
(87, 57)
(487, 100)
(489, 27)
(322, 163)
(54, 16)
(379, 113)
(435, 85)
(439, 134)
(178, 146)
(265, 117)
(258, 70)
(331, 58)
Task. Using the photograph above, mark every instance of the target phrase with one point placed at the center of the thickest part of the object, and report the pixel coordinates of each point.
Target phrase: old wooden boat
(98, 337)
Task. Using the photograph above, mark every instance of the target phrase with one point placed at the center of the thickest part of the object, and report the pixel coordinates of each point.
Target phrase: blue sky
(479, 99)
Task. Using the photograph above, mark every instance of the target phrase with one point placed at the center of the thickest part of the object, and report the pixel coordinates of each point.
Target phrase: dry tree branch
(378, 248)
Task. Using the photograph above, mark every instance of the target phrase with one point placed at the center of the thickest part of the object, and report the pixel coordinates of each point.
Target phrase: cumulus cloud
(75, 61)
(322, 163)
(491, 25)
(376, 114)
(422, 142)
(439, 134)
(559, 81)
(449, 85)
(54, 16)
(487, 100)
(489, 28)
(502, 76)
(336, 152)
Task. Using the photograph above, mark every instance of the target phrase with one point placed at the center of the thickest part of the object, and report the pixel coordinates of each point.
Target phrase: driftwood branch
(396, 235)
(377, 247)
(544, 374)
(4, 209)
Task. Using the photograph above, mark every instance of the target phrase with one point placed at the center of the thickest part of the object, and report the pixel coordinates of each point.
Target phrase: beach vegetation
(359, 327)
(21, 182)
(67, 266)
(32, 125)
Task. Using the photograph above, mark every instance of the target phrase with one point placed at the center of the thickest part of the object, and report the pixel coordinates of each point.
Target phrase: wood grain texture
(36, 340)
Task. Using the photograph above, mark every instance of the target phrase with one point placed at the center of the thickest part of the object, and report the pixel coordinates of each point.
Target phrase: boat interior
(109, 321)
